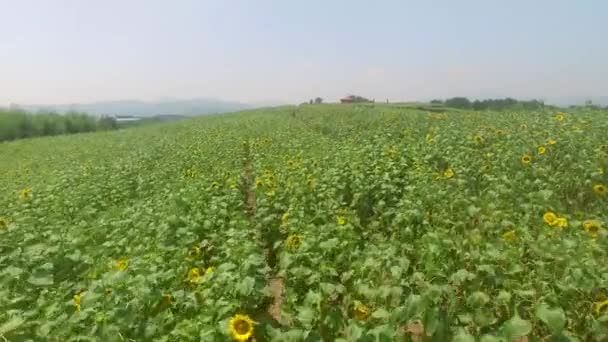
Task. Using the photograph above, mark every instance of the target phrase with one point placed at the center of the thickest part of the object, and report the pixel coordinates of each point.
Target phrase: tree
(318, 100)
(458, 102)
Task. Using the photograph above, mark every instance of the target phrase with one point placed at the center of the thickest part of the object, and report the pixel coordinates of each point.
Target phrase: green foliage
(490, 104)
(17, 124)
(409, 226)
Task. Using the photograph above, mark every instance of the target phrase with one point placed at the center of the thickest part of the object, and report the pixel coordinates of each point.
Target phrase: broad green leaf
(555, 319)
(516, 327)
(10, 325)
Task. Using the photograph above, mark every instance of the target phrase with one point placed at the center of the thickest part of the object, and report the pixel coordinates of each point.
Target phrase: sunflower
(194, 252)
(526, 159)
(294, 242)
(285, 218)
(561, 222)
(541, 150)
(209, 270)
(552, 141)
(550, 218)
(77, 299)
(360, 311)
(167, 299)
(448, 173)
(509, 236)
(592, 227)
(310, 182)
(601, 306)
(560, 116)
(478, 139)
(259, 183)
(121, 264)
(25, 194)
(108, 291)
(341, 220)
(194, 276)
(500, 132)
(3, 223)
(241, 327)
(599, 189)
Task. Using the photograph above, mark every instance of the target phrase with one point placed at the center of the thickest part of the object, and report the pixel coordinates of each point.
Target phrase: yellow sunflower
(194, 252)
(509, 236)
(552, 141)
(541, 150)
(209, 270)
(121, 264)
(599, 189)
(259, 183)
(550, 218)
(25, 194)
(592, 227)
(77, 299)
(561, 222)
(478, 139)
(194, 276)
(448, 173)
(294, 242)
(3, 223)
(241, 327)
(601, 306)
(360, 311)
(310, 182)
(560, 116)
(285, 219)
(341, 220)
(526, 159)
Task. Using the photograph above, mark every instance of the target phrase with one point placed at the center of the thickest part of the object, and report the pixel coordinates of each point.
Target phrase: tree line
(19, 124)
(489, 104)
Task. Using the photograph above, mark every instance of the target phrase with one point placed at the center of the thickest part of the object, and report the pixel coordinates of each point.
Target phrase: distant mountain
(146, 109)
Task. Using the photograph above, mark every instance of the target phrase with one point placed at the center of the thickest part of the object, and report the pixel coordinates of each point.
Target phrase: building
(348, 99)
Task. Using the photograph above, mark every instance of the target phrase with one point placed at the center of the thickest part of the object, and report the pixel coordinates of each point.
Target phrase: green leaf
(245, 286)
(12, 324)
(463, 336)
(555, 319)
(516, 327)
(491, 338)
(504, 297)
(329, 244)
(381, 314)
(38, 280)
(306, 316)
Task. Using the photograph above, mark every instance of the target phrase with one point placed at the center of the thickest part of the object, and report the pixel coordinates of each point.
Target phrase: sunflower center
(241, 327)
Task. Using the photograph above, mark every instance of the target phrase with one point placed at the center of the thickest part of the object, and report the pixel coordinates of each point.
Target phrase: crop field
(311, 223)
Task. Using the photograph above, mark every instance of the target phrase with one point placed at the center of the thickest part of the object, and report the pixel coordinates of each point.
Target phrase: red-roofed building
(348, 99)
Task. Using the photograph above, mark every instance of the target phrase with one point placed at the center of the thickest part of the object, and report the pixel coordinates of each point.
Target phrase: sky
(55, 52)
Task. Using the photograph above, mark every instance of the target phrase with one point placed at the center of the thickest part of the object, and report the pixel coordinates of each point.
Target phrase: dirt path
(276, 285)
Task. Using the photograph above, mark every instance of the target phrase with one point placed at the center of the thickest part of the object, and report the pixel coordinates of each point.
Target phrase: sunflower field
(311, 223)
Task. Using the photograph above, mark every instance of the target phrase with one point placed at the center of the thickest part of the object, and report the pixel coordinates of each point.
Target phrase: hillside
(317, 222)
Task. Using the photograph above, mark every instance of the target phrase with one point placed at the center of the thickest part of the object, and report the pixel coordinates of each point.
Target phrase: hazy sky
(55, 51)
